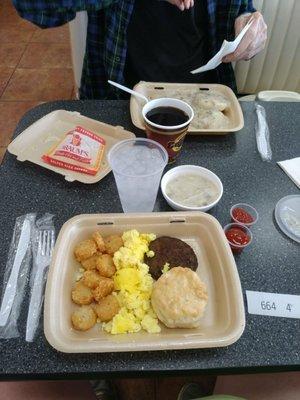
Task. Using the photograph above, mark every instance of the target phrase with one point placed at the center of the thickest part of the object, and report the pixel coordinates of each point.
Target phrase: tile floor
(35, 66)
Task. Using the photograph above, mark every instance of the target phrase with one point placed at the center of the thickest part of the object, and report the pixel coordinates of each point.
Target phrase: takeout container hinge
(177, 221)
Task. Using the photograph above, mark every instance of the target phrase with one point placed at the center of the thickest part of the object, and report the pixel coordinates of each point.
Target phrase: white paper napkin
(226, 48)
(292, 169)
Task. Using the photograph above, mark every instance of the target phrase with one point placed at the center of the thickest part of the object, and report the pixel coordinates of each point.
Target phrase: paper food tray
(223, 322)
(154, 90)
(39, 137)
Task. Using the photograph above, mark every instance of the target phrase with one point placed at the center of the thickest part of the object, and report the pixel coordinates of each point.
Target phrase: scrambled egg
(133, 284)
(166, 268)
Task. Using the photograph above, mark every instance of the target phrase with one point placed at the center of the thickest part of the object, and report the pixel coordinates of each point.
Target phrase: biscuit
(179, 298)
(211, 101)
(213, 119)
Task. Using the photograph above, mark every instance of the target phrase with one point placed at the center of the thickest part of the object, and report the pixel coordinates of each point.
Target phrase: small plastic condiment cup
(249, 209)
(236, 248)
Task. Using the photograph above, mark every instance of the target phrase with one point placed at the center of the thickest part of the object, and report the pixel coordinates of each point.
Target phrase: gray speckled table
(270, 264)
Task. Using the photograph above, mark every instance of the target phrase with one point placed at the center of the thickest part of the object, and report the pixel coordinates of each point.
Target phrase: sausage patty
(170, 250)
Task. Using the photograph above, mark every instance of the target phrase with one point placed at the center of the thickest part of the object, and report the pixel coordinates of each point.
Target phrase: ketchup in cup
(239, 236)
(243, 214)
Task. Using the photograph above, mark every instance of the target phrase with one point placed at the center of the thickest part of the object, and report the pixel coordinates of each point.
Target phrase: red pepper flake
(242, 216)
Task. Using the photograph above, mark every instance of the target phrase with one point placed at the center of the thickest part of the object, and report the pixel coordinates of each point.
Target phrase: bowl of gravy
(191, 188)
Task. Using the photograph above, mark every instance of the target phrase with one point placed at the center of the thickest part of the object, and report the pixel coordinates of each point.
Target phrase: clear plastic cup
(137, 166)
(235, 247)
(249, 209)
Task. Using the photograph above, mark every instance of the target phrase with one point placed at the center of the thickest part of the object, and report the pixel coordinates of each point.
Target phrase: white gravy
(192, 190)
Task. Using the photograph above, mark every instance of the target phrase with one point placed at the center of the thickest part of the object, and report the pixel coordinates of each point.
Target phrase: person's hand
(254, 40)
(182, 4)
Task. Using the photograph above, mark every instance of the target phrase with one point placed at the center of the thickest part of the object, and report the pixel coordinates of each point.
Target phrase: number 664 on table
(273, 304)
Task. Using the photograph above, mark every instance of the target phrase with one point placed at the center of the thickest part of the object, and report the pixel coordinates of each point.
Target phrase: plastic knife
(11, 286)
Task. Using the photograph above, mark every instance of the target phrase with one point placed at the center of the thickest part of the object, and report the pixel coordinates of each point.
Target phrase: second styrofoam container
(156, 90)
(42, 135)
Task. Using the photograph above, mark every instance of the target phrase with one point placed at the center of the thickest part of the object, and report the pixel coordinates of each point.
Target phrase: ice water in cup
(137, 166)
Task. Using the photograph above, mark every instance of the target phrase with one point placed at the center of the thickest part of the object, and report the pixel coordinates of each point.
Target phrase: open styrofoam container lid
(39, 137)
(278, 95)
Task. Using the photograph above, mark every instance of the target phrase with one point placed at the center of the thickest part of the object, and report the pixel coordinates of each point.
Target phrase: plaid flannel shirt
(106, 43)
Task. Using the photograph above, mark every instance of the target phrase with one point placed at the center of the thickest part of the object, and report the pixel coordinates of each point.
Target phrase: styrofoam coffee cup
(170, 137)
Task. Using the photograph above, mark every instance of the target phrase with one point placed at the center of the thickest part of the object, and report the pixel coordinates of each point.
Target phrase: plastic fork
(42, 261)
(45, 248)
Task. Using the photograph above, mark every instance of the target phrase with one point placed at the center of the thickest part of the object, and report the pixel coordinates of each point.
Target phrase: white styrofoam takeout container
(224, 319)
(43, 134)
(156, 90)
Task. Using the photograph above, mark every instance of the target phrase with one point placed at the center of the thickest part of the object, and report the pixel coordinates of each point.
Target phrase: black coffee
(167, 116)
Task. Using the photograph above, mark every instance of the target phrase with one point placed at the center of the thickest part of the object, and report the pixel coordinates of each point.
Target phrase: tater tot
(84, 318)
(91, 279)
(91, 263)
(107, 308)
(85, 250)
(105, 287)
(99, 241)
(81, 294)
(106, 266)
(113, 243)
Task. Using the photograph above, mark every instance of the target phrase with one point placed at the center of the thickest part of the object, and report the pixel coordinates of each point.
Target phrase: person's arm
(256, 37)
(48, 14)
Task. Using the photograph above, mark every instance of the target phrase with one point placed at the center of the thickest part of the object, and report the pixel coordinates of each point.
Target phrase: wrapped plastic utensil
(16, 276)
(43, 244)
(262, 134)
(226, 48)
